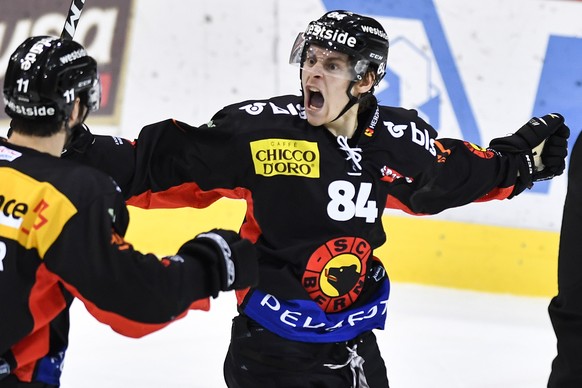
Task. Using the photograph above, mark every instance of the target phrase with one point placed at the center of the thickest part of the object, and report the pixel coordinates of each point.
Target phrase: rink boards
(421, 250)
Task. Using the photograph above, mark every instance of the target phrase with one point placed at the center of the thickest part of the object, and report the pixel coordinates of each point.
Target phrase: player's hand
(551, 161)
(530, 135)
(542, 142)
(237, 258)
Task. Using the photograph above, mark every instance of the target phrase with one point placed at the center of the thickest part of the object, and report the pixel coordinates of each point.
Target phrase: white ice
(435, 338)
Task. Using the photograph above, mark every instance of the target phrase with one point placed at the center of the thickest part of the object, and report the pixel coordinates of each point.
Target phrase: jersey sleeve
(111, 154)
(134, 293)
(459, 173)
(171, 153)
(172, 164)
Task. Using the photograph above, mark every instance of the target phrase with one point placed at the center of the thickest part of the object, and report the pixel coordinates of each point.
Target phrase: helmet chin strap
(352, 101)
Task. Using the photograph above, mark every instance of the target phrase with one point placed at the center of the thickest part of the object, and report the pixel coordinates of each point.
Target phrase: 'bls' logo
(418, 136)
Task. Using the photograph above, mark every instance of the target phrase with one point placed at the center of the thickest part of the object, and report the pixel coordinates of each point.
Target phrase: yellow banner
(419, 249)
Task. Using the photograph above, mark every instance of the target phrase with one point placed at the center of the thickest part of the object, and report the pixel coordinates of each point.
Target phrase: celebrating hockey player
(62, 226)
(317, 171)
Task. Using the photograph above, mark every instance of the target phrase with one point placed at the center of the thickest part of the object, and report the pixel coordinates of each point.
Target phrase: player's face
(325, 77)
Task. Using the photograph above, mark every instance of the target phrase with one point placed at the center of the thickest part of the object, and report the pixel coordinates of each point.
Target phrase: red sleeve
(133, 292)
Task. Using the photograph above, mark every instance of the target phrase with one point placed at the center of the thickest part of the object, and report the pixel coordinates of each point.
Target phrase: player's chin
(315, 117)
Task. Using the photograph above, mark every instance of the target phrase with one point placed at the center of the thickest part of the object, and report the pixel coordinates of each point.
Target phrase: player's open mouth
(315, 99)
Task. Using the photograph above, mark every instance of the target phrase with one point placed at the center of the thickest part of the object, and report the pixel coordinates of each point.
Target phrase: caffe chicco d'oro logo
(285, 157)
(335, 272)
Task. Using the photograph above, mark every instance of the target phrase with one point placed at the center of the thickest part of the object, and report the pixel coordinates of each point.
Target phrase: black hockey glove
(236, 258)
(80, 140)
(552, 160)
(541, 140)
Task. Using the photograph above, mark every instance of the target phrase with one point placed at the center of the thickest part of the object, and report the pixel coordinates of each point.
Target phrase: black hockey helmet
(360, 37)
(44, 76)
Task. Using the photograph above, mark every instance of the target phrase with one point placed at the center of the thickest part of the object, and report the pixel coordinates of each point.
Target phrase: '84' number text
(347, 203)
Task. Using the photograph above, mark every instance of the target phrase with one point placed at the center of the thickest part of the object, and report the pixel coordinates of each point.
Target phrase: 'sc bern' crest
(336, 271)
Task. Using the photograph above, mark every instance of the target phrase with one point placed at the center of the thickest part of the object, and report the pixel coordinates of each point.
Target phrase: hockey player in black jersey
(62, 226)
(317, 171)
(565, 309)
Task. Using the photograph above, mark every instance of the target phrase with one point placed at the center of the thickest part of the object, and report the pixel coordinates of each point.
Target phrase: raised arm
(461, 172)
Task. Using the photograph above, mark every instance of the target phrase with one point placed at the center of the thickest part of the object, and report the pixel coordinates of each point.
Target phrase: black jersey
(61, 236)
(314, 200)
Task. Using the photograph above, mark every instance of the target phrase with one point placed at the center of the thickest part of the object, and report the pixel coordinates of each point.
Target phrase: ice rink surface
(435, 338)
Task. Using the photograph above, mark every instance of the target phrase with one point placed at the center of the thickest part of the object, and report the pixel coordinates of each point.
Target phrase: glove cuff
(525, 170)
(225, 262)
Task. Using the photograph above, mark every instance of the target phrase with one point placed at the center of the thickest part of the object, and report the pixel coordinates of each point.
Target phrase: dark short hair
(34, 127)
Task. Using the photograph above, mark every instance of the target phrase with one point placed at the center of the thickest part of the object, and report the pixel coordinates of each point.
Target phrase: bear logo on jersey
(335, 272)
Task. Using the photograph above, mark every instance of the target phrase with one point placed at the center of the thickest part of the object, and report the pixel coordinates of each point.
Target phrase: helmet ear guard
(80, 80)
(360, 68)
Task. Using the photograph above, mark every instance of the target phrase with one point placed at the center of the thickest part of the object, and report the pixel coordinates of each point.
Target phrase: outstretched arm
(138, 293)
(462, 172)
(170, 161)
(113, 155)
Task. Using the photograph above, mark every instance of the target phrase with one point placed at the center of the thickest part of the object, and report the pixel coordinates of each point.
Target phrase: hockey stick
(72, 19)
